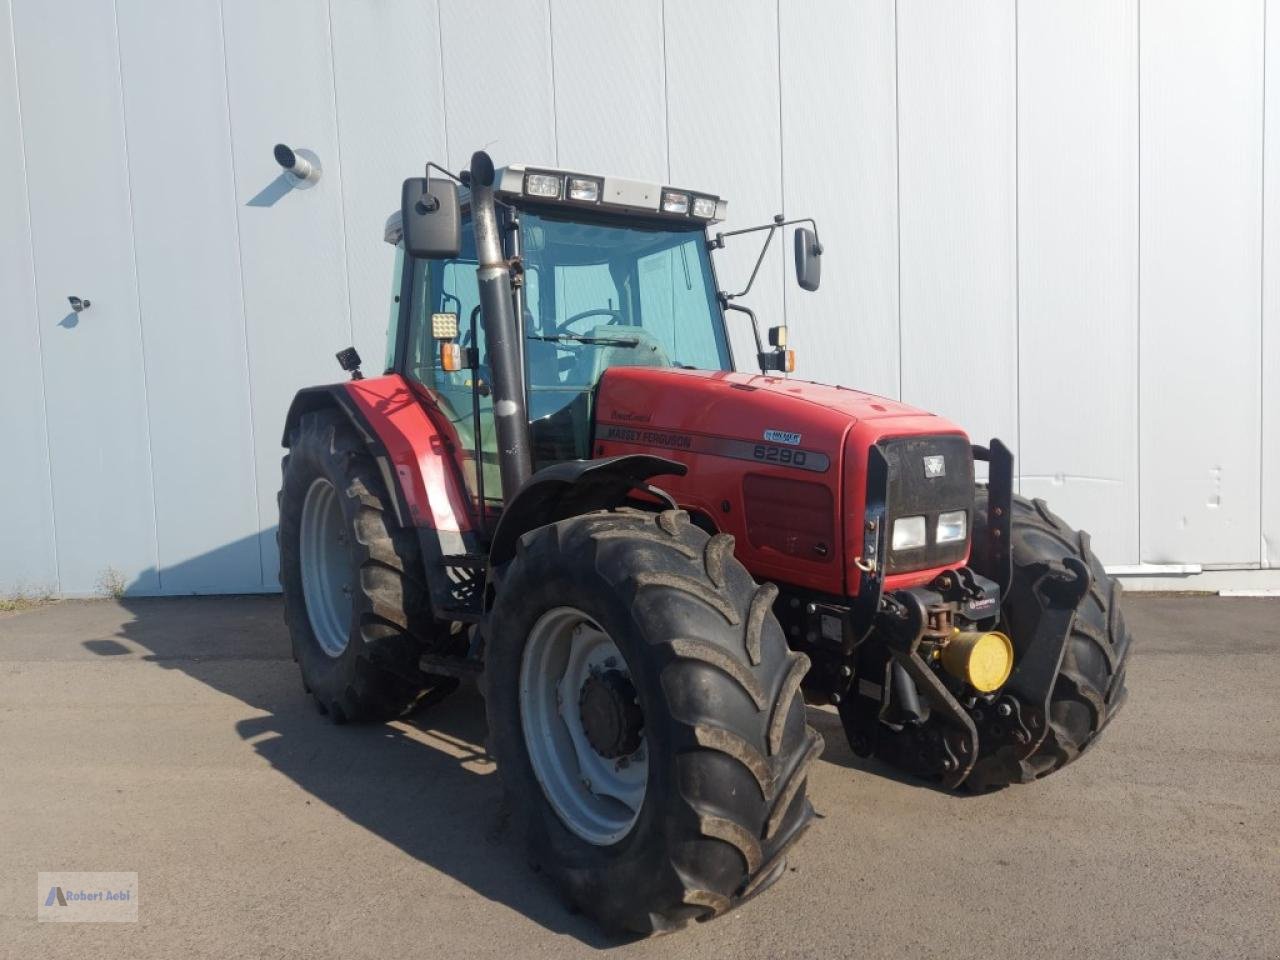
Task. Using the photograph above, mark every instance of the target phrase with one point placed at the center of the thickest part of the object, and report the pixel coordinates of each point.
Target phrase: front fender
(573, 488)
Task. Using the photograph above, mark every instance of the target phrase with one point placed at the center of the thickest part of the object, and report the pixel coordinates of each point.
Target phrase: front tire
(1090, 687)
(355, 599)
(701, 690)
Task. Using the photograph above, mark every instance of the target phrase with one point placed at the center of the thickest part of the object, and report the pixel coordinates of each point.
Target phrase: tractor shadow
(425, 784)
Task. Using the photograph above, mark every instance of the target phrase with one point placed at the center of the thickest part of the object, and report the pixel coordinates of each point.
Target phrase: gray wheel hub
(611, 714)
(328, 574)
(583, 726)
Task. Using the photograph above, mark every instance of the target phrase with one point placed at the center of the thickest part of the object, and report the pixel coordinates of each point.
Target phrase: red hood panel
(791, 443)
(728, 390)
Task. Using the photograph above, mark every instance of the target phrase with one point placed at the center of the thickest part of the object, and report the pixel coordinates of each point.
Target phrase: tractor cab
(610, 272)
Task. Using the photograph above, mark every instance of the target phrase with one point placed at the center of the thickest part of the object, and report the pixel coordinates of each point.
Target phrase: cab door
(445, 290)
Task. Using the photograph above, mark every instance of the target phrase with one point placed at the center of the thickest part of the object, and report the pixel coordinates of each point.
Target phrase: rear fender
(334, 396)
(573, 488)
(417, 461)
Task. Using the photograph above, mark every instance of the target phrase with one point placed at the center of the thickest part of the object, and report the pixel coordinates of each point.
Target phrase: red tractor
(652, 562)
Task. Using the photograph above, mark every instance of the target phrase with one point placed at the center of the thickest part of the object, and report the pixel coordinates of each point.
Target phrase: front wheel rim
(597, 797)
(327, 571)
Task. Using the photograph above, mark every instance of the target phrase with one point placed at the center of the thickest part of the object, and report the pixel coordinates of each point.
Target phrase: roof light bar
(634, 195)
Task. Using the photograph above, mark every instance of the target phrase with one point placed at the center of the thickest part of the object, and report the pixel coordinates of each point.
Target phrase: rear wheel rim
(327, 572)
(595, 796)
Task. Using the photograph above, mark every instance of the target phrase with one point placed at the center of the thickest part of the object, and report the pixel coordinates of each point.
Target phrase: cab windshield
(596, 294)
(602, 295)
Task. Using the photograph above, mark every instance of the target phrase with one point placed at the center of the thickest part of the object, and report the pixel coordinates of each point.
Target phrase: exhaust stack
(502, 332)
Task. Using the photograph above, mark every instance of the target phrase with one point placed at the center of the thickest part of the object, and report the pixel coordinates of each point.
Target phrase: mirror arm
(432, 165)
(430, 203)
(755, 326)
(717, 243)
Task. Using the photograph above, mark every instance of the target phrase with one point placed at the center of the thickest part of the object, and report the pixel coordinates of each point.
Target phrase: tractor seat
(648, 351)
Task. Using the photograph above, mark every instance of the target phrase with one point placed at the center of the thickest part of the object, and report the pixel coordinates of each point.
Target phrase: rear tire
(723, 731)
(1090, 687)
(355, 599)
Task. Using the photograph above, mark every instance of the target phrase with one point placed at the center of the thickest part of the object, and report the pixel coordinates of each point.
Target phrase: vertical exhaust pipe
(502, 332)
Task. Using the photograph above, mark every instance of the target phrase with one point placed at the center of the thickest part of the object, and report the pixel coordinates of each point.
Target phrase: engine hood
(789, 451)
(727, 402)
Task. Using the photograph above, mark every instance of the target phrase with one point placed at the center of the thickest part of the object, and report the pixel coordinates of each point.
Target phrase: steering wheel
(615, 318)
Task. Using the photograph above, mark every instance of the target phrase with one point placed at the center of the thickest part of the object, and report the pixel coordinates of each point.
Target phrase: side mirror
(430, 218)
(808, 259)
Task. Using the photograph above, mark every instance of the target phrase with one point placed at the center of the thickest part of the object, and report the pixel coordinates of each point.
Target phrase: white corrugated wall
(1052, 220)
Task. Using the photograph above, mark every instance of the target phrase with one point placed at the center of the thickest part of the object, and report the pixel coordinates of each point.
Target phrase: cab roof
(613, 195)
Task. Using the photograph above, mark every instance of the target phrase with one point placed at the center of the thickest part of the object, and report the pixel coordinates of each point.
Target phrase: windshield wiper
(594, 341)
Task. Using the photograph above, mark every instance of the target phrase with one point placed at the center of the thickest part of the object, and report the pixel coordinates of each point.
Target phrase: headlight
(673, 202)
(908, 533)
(704, 208)
(952, 527)
(542, 185)
(581, 188)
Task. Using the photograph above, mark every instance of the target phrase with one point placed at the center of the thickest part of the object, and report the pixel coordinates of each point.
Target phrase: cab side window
(449, 286)
(442, 286)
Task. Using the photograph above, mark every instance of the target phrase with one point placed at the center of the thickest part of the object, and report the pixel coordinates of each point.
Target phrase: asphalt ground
(172, 738)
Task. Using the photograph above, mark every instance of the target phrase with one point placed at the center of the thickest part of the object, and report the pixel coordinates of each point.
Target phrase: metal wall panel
(292, 241)
(1201, 182)
(956, 119)
(499, 93)
(184, 218)
(847, 332)
(1000, 246)
(610, 103)
(387, 77)
(28, 558)
(78, 187)
(1269, 424)
(723, 129)
(1078, 264)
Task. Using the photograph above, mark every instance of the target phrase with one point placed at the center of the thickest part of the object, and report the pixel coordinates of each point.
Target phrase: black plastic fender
(576, 487)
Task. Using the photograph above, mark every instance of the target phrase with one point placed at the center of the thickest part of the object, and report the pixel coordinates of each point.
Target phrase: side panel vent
(794, 517)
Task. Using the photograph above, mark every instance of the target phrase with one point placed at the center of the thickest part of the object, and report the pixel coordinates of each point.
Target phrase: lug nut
(846, 671)
(836, 698)
(1004, 710)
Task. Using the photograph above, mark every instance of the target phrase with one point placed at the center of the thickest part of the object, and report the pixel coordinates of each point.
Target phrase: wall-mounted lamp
(301, 166)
